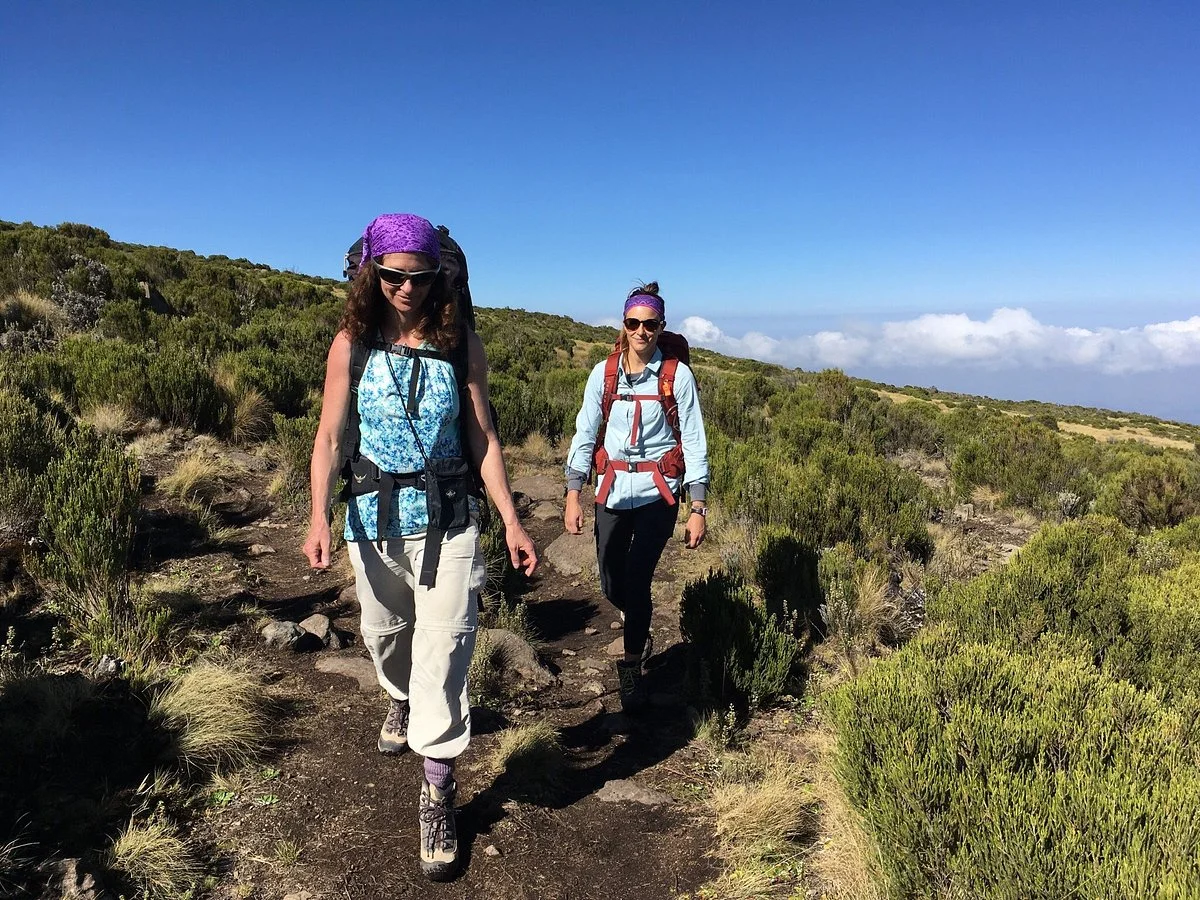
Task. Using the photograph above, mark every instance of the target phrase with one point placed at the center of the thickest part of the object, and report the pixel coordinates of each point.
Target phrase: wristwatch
(700, 510)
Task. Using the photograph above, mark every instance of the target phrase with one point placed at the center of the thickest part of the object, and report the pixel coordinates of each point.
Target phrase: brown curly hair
(437, 320)
(650, 288)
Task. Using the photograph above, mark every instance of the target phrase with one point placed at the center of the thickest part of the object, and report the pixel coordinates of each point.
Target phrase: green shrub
(90, 500)
(89, 510)
(829, 497)
(91, 372)
(786, 572)
(741, 654)
(988, 774)
(1152, 492)
(295, 439)
(1129, 603)
(183, 392)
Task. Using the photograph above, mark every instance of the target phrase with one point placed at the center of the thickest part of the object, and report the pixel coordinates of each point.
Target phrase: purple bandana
(400, 233)
(654, 303)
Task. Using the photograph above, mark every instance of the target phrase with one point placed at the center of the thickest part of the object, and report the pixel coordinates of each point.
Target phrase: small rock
(616, 626)
(544, 512)
(539, 487)
(616, 648)
(348, 596)
(631, 792)
(306, 578)
(589, 670)
(595, 708)
(519, 657)
(318, 626)
(491, 850)
(109, 667)
(590, 631)
(572, 554)
(260, 550)
(568, 652)
(299, 895)
(283, 635)
(363, 670)
(337, 640)
(593, 687)
(74, 880)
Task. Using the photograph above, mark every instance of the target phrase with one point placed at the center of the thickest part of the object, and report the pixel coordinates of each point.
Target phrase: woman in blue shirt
(422, 404)
(642, 469)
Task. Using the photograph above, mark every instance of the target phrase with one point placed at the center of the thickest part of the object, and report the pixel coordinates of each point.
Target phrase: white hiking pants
(421, 638)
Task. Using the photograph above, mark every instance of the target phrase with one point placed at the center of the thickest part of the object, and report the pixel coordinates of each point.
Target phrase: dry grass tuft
(156, 859)
(987, 499)
(217, 713)
(25, 309)
(537, 449)
(764, 817)
(845, 859)
(151, 444)
(530, 759)
(734, 537)
(957, 556)
(251, 418)
(197, 476)
(110, 418)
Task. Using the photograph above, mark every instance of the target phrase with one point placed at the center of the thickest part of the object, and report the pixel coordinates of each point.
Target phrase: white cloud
(1009, 338)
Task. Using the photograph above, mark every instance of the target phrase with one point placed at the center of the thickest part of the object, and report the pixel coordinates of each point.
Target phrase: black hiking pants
(629, 543)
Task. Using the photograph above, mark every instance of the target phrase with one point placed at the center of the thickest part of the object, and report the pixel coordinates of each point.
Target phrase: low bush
(741, 655)
(182, 392)
(989, 774)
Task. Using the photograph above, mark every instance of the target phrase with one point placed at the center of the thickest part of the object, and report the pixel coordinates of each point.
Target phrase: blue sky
(785, 170)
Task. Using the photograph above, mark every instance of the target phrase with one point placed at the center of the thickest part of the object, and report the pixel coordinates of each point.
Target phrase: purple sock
(439, 772)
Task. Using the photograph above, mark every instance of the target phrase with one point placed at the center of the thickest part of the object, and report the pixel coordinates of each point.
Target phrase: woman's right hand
(573, 514)
(316, 546)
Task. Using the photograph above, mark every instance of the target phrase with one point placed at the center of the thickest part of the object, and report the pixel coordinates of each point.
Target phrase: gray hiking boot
(393, 736)
(629, 678)
(439, 835)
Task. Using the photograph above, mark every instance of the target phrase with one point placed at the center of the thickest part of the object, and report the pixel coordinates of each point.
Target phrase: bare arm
(327, 447)
(484, 445)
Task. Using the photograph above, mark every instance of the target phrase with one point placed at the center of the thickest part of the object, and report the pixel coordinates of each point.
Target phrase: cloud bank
(1009, 339)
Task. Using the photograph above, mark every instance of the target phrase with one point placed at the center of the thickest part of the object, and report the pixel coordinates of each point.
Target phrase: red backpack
(675, 350)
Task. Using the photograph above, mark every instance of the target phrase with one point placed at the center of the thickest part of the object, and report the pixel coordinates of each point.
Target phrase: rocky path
(330, 817)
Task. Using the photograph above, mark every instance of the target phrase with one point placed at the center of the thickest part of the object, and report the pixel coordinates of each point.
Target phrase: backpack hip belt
(670, 466)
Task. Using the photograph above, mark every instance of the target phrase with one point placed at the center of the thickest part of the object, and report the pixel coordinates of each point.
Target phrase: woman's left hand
(694, 531)
(521, 550)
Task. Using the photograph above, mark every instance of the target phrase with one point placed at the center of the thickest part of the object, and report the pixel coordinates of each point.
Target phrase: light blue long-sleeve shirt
(631, 489)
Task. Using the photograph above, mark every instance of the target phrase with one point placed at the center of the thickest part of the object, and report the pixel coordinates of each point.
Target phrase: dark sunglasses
(652, 325)
(397, 277)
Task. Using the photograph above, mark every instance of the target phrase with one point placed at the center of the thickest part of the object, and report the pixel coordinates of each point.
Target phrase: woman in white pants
(406, 383)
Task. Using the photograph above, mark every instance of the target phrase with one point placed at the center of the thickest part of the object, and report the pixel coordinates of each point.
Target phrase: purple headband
(655, 303)
(400, 233)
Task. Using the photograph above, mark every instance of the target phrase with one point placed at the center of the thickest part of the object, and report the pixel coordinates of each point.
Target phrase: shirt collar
(652, 366)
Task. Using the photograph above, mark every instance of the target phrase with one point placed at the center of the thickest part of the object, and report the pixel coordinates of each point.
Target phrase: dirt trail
(331, 816)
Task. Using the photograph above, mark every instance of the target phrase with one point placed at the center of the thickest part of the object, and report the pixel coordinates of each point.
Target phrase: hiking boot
(629, 678)
(439, 835)
(393, 736)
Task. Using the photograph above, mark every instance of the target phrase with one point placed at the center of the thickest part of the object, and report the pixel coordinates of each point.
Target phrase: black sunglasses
(652, 325)
(397, 277)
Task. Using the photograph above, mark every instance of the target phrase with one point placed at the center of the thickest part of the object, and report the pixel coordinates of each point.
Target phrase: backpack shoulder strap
(610, 384)
(666, 391)
(360, 352)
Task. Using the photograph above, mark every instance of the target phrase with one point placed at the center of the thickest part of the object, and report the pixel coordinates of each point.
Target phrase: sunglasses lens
(397, 277)
(632, 324)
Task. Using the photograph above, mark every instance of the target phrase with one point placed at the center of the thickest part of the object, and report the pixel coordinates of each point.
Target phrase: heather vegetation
(1025, 732)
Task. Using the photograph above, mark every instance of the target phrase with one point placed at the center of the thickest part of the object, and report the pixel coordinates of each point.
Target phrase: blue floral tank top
(386, 438)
